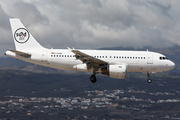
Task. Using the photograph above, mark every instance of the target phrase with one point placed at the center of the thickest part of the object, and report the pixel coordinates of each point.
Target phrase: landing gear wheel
(93, 78)
(149, 80)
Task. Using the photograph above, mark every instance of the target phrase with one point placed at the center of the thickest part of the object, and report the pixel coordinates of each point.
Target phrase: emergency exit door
(44, 56)
(150, 58)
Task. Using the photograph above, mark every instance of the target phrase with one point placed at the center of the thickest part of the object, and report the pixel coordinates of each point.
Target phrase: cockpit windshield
(163, 58)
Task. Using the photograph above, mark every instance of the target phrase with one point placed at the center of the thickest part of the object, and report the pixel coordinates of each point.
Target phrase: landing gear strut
(149, 80)
(93, 78)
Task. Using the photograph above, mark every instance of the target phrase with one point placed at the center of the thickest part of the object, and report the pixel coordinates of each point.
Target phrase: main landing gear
(93, 78)
(149, 80)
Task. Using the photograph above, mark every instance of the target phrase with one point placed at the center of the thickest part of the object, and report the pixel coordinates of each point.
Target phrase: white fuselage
(136, 61)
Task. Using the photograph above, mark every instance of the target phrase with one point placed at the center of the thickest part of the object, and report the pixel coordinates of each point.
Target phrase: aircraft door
(44, 56)
(149, 58)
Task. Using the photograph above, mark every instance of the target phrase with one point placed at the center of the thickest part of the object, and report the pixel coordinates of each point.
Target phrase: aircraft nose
(171, 65)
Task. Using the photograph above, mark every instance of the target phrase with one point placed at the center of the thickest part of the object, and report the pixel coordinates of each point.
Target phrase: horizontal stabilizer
(26, 55)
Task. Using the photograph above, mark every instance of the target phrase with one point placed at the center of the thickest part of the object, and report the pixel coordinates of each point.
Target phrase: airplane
(113, 63)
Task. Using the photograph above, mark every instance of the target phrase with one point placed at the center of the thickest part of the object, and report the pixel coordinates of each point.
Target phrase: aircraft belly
(63, 63)
(139, 68)
(69, 65)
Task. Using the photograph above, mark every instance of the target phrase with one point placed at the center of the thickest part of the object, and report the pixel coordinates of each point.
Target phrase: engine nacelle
(117, 71)
(82, 67)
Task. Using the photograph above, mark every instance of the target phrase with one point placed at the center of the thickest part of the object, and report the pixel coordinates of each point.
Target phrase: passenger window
(106, 56)
(130, 57)
(62, 55)
(51, 55)
(110, 56)
(119, 56)
(59, 55)
(127, 57)
(67, 55)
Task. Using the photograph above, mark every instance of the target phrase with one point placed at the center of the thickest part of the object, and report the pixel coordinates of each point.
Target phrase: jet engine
(82, 67)
(117, 71)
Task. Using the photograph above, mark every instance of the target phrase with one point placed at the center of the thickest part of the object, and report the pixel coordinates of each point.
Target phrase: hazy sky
(91, 24)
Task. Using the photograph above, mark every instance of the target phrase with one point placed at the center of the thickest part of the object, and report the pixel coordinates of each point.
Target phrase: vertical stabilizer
(22, 37)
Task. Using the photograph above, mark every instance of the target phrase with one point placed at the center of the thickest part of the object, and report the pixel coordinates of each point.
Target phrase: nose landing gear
(93, 78)
(149, 80)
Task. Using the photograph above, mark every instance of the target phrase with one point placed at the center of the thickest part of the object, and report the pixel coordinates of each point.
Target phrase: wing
(85, 58)
(26, 55)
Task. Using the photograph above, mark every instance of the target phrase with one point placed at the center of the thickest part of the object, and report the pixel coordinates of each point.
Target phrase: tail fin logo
(21, 35)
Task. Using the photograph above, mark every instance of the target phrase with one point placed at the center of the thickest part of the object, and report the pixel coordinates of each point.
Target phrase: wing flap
(23, 54)
(85, 58)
